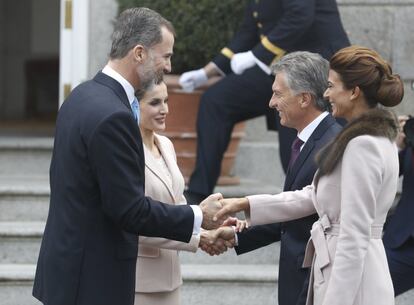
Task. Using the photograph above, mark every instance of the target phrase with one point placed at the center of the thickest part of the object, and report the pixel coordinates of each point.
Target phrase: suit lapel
(108, 81)
(168, 153)
(306, 150)
(152, 164)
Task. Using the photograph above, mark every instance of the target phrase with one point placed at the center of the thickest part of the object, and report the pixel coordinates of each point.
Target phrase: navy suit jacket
(293, 235)
(400, 226)
(97, 205)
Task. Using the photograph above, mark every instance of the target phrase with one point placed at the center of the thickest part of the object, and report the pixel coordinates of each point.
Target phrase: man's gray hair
(305, 72)
(138, 25)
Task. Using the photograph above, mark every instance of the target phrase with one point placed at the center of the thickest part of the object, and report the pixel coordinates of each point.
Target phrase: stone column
(102, 15)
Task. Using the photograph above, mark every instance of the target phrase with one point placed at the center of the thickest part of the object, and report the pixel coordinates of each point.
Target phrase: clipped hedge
(203, 27)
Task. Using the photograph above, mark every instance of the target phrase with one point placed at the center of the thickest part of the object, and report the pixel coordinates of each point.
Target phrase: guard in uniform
(270, 29)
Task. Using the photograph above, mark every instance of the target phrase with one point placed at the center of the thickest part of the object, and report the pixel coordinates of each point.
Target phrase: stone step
(259, 161)
(268, 255)
(20, 156)
(16, 283)
(203, 285)
(24, 198)
(21, 243)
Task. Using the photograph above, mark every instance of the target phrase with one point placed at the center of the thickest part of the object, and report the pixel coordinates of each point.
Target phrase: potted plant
(202, 27)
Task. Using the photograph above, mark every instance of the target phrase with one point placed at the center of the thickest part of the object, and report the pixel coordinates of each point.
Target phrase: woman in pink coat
(353, 189)
(158, 274)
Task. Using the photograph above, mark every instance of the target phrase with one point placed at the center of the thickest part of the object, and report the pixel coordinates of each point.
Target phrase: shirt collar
(129, 90)
(305, 134)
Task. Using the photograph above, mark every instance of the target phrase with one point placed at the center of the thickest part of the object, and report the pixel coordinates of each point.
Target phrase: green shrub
(203, 27)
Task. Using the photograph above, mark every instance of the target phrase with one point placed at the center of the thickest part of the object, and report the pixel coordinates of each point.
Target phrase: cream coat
(349, 266)
(158, 269)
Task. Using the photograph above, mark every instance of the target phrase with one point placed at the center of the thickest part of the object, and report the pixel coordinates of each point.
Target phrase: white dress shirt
(305, 134)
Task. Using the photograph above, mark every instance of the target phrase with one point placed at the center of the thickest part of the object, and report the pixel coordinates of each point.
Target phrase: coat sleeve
(362, 170)
(257, 237)
(163, 243)
(116, 156)
(266, 209)
(243, 40)
(298, 16)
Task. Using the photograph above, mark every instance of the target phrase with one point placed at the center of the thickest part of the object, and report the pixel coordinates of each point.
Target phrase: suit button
(282, 231)
(255, 14)
(259, 25)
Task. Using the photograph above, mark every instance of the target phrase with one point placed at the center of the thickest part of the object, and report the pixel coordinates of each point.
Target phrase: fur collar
(376, 122)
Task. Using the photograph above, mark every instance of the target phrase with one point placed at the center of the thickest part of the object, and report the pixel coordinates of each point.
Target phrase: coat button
(255, 14)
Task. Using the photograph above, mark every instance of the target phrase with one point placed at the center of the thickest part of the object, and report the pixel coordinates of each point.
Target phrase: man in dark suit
(399, 229)
(97, 205)
(301, 79)
(270, 29)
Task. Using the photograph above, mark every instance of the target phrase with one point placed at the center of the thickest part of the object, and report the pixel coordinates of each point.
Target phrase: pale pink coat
(158, 268)
(349, 265)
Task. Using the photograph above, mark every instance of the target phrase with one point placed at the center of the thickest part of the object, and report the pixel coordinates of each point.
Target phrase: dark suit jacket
(97, 205)
(272, 27)
(293, 235)
(400, 226)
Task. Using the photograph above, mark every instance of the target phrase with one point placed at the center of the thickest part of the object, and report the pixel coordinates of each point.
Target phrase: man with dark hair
(97, 205)
(301, 79)
(270, 29)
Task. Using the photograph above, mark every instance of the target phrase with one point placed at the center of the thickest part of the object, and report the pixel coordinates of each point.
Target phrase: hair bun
(391, 90)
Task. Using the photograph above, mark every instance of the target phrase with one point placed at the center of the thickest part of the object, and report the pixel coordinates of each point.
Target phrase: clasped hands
(219, 225)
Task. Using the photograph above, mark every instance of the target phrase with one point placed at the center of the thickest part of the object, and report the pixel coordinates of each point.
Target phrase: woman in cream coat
(158, 275)
(353, 189)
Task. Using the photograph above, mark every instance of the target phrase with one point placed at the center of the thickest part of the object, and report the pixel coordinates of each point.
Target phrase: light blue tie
(135, 109)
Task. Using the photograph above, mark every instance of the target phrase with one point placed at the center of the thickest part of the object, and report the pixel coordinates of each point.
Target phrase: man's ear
(355, 93)
(306, 100)
(139, 53)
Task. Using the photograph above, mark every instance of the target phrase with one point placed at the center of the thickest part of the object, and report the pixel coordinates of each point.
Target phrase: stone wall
(2, 43)
(102, 14)
(387, 27)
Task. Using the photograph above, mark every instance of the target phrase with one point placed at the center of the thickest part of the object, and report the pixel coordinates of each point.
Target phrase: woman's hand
(239, 225)
(232, 205)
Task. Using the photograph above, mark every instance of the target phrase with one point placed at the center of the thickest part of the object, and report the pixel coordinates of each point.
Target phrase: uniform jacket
(97, 203)
(158, 269)
(271, 28)
(294, 234)
(401, 225)
(349, 265)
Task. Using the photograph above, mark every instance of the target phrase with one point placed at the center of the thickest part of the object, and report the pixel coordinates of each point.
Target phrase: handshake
(219, 228)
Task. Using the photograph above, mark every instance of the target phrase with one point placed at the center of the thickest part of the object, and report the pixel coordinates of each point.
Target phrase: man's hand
(210, 206)
(242, 61)
(216, 242)
(193, 79)
(231, 206)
